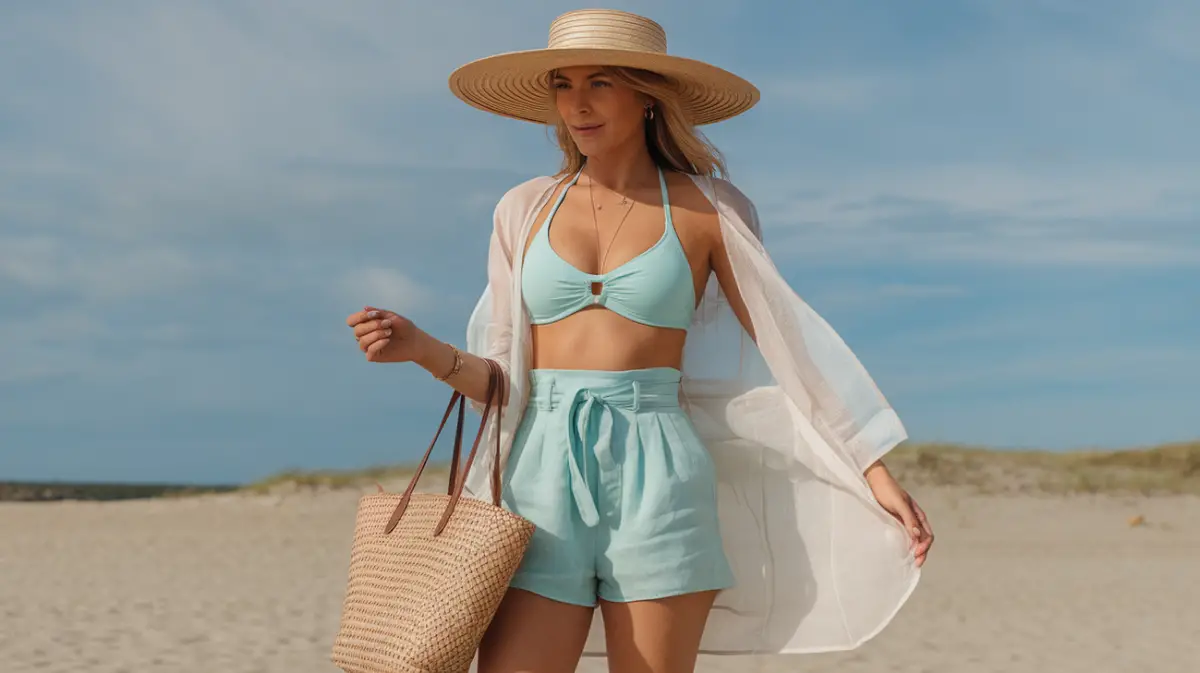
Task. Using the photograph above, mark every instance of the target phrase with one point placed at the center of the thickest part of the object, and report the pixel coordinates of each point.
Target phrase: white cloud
(300, 120)
(385, 288)
(71, 340)
(85, 269)
(199, 87)
(1022, 214)
(1094, 365)
(861, 298)
(1044, 133)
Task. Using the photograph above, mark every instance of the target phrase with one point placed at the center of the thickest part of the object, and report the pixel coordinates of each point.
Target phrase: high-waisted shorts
(623, 494)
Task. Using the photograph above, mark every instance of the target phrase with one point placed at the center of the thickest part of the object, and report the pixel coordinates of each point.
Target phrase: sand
(239, 583)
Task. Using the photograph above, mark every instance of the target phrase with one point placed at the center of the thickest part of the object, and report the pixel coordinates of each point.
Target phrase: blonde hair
(673, 141)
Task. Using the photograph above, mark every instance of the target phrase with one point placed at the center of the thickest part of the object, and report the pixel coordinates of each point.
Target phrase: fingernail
(387, 332)
(385, 324)
(372, 314)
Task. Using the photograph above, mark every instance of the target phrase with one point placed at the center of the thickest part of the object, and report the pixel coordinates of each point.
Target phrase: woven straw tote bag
(427, 570)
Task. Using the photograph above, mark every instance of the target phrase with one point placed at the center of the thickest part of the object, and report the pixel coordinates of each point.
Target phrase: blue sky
(995, 202)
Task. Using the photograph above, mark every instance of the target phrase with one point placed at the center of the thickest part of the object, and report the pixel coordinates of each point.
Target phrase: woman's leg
(656, 636)
(532, 634)
(661, 561)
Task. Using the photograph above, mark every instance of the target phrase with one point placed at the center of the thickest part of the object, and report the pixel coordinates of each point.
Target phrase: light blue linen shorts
(623, 494)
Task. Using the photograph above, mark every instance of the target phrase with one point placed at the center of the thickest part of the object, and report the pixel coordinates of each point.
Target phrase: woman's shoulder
(525, 195)
(729, 192)
(727, 198)
(517, 202)
(718, 189)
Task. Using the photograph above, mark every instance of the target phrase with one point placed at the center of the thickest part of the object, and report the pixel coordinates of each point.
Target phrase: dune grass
(102, 491)
(1166, 469)
(387, 475)
(1157, 470)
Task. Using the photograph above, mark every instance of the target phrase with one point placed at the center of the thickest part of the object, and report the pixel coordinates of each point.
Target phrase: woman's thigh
(532, 634)
(656, 636)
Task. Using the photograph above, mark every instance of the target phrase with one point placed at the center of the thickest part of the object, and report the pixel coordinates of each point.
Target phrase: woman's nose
(581, 103)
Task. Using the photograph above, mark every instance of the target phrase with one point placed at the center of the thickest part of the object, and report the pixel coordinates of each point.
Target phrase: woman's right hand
(385, 336)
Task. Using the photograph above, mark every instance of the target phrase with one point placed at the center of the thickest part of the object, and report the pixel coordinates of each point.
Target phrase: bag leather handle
(457, 480)
(495, 396)
(412, 484)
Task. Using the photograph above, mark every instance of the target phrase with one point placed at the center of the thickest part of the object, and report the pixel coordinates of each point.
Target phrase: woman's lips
(587, 129)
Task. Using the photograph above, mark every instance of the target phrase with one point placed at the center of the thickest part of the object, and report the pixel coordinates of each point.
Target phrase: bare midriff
(599, 339)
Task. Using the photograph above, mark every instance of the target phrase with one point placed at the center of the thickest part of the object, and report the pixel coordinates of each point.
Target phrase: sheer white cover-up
(791, 418)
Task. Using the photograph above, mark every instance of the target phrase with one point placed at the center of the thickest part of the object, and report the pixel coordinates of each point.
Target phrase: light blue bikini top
(655, 288)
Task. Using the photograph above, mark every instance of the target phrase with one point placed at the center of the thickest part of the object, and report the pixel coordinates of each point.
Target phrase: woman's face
(600, 113)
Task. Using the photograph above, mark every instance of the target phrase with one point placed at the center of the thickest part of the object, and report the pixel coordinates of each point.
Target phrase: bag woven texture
(428, 570)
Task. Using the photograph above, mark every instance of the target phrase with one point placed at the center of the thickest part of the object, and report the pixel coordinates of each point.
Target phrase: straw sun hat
(516, 84)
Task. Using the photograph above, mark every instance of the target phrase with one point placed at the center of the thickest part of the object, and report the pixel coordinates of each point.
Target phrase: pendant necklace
(596, 223)
(623, 202)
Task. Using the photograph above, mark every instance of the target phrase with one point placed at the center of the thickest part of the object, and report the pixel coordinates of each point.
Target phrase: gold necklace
(624, 201)
(596, 223)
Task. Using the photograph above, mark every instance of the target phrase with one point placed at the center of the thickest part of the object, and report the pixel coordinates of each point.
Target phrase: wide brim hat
(516, 84)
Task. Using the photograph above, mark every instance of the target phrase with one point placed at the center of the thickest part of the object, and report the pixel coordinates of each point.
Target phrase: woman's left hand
(893, 498)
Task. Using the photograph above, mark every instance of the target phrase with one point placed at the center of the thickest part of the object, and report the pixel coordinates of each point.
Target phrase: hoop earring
(649, 112)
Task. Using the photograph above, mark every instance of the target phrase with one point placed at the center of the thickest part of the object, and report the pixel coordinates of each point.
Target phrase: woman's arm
(385, 336)
(875, 473)
(718, 259)
(882, 483)
(437, 357)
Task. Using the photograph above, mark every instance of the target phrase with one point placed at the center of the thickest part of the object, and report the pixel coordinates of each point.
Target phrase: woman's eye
(600, 83)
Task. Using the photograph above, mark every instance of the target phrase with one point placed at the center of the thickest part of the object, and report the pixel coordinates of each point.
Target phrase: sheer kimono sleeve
(819, 375)
(499, 327)
(490, 328)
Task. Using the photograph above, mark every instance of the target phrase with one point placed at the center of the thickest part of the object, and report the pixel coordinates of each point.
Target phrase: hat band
(578, 33)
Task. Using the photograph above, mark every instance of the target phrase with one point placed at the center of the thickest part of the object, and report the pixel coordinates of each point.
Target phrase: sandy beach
(252, 583)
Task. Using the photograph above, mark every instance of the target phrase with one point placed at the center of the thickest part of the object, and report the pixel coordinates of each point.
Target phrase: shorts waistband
(588, 398)
(633, 389)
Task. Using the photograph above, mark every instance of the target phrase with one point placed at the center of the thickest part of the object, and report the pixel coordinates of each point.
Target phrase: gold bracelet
(458, 362)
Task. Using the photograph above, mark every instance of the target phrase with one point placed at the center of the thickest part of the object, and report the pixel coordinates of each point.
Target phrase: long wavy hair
(674, 142)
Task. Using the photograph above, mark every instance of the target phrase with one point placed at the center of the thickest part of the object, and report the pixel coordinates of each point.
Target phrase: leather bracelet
(458, 362)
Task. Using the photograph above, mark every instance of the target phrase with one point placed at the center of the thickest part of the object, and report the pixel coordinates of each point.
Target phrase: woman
(708, 497)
